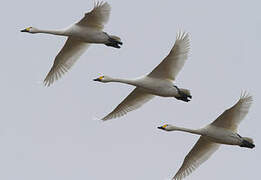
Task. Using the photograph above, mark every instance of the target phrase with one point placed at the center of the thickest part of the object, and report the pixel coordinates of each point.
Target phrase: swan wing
(65, 59)
(98, 17)
(201, 152)
(133, 101)
(231, 118)
(172, 64)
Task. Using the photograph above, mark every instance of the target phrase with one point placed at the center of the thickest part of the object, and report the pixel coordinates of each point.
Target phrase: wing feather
(231, 118)
(65, 59)
(133, 101)
(98, 17)
(201, 152)
(173, 63)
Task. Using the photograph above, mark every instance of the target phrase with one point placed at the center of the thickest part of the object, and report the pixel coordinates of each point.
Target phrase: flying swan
(159, 82)
(221, 131)
(88, 30)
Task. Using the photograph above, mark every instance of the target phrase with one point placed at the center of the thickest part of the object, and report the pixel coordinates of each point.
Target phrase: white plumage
(173, 63)
(235, 114)
(133, 101)
(221, 131)
(80, 35)
(159, 82)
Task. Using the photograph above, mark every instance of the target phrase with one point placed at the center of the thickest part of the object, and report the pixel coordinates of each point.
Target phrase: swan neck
(125, 81)
(60, 32)
(193, 131)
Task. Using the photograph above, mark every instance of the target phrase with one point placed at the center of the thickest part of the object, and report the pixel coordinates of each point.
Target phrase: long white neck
(60, 32)
(125, 81)
(193, 131)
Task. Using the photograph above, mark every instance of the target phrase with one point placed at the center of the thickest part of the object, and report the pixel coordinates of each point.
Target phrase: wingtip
(246, 96)
(100, 3)
(106, 118)
(47, 82)
(103, 119)
(181, 34)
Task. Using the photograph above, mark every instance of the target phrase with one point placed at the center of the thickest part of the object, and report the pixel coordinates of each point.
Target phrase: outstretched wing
(65, 59)
(201, 152)
(231, 118)
(172, 64)
(133, 101)
(98, 17)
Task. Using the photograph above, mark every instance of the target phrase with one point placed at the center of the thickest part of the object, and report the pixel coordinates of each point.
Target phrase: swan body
(88, 35)
(221, 131)
(158, 87)
(159, 82)
(80, 35)
(221, 135)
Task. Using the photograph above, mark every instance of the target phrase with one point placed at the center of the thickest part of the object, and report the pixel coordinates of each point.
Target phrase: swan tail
(248, 139)
(114, 41)
(187, 92)
(247, 142)
(185, 95)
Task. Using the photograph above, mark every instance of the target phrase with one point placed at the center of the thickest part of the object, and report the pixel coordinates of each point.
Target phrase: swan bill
(163, 127)
(26, 29)
(97, 79)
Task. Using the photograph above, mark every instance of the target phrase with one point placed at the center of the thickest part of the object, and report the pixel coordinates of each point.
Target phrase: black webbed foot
(183, 96)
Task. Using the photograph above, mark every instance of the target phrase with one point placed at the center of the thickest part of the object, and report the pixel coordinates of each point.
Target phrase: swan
(221, 131)
(88, 30)
(159, 82)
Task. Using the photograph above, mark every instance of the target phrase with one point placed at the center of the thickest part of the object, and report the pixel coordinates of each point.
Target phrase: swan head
(103, 79)
(30, 30)
(166, 127)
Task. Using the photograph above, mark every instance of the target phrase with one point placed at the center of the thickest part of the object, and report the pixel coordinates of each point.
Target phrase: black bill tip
(97, 79)
(24, 30)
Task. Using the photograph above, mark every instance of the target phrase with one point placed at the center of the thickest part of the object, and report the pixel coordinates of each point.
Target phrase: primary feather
(173, 63)
(201, 152)
(133, 101)
(231, 118)
(65, 59)
(98, 17)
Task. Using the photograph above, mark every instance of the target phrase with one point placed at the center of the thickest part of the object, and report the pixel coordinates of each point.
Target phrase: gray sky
(53, 133)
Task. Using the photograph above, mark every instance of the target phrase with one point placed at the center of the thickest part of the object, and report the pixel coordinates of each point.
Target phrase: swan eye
(164, 126)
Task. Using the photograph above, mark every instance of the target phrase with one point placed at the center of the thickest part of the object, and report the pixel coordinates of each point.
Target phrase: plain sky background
(53, 133)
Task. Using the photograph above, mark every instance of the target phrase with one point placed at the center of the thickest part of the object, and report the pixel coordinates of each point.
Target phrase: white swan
(221, 131)
(80, 35)
(159, 82)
